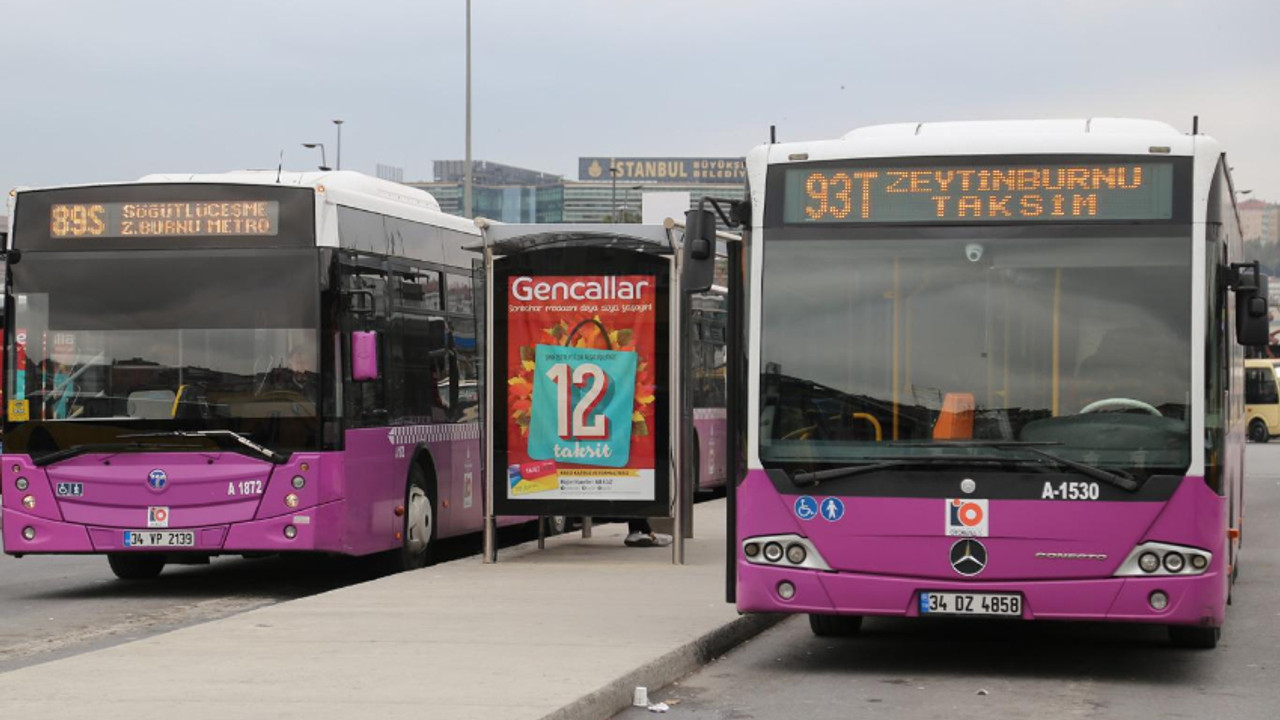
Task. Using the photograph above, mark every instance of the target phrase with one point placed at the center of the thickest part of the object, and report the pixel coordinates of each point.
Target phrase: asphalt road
(56, 606)
(906, 669)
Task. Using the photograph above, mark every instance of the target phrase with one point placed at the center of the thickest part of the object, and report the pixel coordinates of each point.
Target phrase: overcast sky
(110, 90)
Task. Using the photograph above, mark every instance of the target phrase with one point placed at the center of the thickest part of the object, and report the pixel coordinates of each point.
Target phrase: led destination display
(1042, 192)
(164, 219)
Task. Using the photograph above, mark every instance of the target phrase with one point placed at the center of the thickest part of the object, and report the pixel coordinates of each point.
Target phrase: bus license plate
(159, 538)
(952, 603)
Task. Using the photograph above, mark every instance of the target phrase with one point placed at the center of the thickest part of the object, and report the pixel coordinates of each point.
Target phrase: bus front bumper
(1192, 600)
(266, 535)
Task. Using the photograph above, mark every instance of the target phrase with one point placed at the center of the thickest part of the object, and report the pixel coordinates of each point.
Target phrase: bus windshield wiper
(1122, 481)
(805, 479)
(85, 448)
(266, 452)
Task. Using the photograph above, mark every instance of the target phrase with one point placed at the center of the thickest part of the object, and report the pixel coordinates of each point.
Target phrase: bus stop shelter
(584, 395)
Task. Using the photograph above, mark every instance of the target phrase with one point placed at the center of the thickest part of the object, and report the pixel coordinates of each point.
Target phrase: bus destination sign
(1037, 192)
(200, 218)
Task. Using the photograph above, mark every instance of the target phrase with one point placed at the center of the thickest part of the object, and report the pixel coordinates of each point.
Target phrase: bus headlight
(1163, 559)
(291, 500)
(299, 482)
(28, 533)
(290, 532)
(772, 552)
(21, 483)
(29, 502)
(794, 551)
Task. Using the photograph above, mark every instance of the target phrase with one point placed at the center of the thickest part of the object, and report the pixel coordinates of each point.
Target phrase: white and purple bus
(239, 363)
(995, 369)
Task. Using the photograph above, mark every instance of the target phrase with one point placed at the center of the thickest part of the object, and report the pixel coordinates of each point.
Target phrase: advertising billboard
(580, 389)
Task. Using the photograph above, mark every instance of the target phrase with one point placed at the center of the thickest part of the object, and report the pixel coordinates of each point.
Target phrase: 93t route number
(1070, 491)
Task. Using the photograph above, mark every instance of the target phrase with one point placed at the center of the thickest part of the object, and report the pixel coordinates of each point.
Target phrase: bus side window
(366, 402)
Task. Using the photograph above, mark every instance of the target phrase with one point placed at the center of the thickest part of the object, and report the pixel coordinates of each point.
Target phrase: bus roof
(1082, 136)
(339, 187)
(337, 184)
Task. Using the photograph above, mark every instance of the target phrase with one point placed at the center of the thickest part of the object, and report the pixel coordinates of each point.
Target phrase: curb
(618, 694)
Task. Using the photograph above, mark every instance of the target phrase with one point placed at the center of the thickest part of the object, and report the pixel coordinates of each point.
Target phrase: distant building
(1260, 222)
(517, 195)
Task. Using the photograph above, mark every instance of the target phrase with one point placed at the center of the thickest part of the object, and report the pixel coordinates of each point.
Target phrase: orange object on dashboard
(955, 421)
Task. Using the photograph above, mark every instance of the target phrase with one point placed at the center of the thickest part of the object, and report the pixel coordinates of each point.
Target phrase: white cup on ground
(641, 698)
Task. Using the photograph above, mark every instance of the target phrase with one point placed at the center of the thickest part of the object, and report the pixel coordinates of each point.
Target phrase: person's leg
(640, 534)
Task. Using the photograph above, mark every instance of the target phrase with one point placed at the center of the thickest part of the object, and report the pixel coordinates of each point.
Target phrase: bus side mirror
(1253, 323)
(364, 356)
(699, 251)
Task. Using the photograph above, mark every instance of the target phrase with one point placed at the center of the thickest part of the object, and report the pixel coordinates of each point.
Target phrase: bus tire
(1195, 637)
(835, 625)
(1258, 431)
(136, 566)
(418, 536)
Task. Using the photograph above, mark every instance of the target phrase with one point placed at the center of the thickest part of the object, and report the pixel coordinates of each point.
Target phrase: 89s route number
(1070, 491)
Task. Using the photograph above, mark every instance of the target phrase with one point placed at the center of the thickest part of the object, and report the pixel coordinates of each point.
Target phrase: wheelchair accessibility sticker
(806, 507)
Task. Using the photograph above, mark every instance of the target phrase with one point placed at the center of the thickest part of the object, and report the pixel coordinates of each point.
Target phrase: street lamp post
(466, 185)
(339, 124)
(613, 195)
(324, 164)
(626, 202)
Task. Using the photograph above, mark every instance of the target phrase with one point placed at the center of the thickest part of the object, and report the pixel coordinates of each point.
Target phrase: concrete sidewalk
(567, 632)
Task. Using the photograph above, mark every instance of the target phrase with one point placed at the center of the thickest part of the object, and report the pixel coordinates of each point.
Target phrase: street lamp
(613, 195)
(626, 200)
(466, 184)
(339, 124)
(324, 164)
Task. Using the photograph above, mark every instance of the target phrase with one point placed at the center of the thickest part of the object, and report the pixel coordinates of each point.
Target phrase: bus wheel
(419, 535)
(1258, 431)
(1194, 637)
(133, 566)
(835, 625)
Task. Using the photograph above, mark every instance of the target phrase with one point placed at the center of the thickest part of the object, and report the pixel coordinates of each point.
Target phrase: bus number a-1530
(1070, 491)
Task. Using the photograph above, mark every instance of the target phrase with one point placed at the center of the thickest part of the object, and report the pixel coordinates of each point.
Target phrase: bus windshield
(876, 346)
(165, 339)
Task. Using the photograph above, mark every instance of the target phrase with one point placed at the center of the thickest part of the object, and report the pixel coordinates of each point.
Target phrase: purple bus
(995, 369)
(239, 363)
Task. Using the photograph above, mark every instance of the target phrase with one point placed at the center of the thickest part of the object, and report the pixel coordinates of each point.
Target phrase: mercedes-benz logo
(968, 486)
(968, 557)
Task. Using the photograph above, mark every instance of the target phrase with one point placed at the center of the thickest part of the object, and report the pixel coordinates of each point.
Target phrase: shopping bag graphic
(535, 477)
(582, 406)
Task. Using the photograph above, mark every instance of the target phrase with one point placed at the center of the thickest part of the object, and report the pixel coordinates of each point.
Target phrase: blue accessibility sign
(832, 509)
(806, 507)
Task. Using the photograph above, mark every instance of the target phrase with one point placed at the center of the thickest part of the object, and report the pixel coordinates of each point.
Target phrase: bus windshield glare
(162, 339)
(878, 346)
